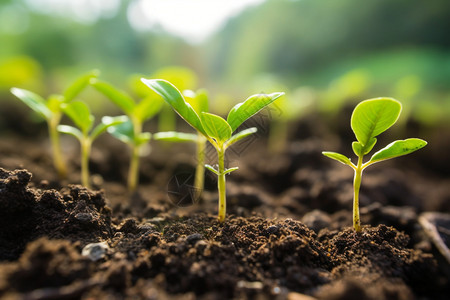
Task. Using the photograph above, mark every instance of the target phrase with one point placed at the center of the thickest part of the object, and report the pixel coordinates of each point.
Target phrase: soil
(287, 235)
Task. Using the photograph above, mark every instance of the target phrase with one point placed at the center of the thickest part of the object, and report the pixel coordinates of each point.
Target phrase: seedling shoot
(51, 111)
(218, 131)
(130, 132)
(369, 119)
(79, 113)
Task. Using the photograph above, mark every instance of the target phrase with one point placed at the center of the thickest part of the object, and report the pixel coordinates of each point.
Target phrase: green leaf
(71, 130)
(78, 85)
(119, 98)
(79, 113)
(173, 136)
(173, 96)
(230, 170)
(216, 127)
(148, 107)
(123, 132)
(240, 135)
(105, 123)
(398, 148)
(34, 101)
(211, 168)
(372, 117)
(242, 111)
(360, 150)
(339, 157)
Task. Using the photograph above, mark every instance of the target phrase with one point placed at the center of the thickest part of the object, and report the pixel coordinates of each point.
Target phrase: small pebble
(272, 229)
(95, 251)
(191, 239)
(84, 217)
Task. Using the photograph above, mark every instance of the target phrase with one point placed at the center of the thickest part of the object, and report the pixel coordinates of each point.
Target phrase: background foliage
(342, 50)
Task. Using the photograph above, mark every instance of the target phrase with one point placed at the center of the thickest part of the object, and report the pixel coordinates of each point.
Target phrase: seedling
(51, 111)
(199, 102)
(130, 132)
(369, 119)
(79, 113)
(217, 131)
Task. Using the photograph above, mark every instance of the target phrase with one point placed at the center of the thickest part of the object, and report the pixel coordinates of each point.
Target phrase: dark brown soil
(287, 233)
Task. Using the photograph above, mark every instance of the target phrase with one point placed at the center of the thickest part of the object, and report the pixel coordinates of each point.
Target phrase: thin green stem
(58, 160)
(221, 185)
(200, 170)
(356, 187)
(85, 154)
(133, 173)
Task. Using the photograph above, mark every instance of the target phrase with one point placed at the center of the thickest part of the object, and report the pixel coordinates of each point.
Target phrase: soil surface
(287, 234)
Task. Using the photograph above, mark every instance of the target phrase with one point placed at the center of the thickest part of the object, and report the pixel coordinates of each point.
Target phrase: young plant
(199, 102)
(369, 119)
(218, 131)
(130, 132)
(79, 113)
(51, 111)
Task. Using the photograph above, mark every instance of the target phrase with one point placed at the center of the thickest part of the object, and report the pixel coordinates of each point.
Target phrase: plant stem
(133, 173)
(221, 184)
(58, 160)
(200, 170)
(356, 187)
(85, 153)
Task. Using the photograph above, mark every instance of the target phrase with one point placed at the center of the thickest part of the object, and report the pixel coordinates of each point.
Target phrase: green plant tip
(369, 119)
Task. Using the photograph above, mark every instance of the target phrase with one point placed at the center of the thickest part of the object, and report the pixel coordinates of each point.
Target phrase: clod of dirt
(26, 214)
(379, 255)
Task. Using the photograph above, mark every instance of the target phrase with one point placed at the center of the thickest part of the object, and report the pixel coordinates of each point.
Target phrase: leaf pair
(138, 113)
(80, 114)
(210, 125)
(47, 108)
(369, 119)
(148, 107)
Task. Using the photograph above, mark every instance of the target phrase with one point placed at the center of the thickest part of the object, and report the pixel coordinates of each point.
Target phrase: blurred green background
(322, 53)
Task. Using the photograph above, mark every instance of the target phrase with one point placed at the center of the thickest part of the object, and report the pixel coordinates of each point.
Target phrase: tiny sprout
(130, 132)
(51, 111)
(218, 131)
(79, 113)
(369, 119)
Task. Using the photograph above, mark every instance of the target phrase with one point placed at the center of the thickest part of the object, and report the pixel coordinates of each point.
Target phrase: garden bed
(287, 234)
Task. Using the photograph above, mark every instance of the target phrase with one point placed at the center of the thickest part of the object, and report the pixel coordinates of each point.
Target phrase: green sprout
(130, 132)
(199, 102)
(79, 113)
(369, 119)
(51, 111)
(218, 131)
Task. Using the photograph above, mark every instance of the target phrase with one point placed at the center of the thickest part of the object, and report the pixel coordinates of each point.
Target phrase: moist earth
(287, 234)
